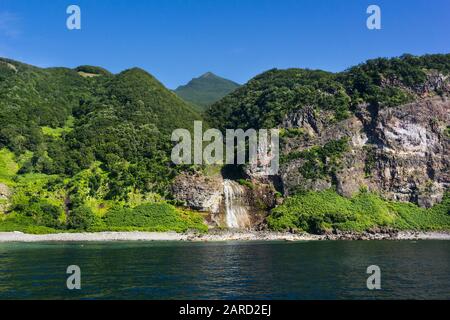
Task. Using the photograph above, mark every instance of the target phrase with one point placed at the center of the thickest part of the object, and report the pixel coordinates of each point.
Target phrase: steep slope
(83, 142)
(143, 99)
(205, 90)
(32, 97)
(265, 100)
(128, 129)
(37, 103)
(380, 127)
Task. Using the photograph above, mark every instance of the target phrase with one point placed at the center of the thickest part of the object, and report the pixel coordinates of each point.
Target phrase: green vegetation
(317, 212)
(8, 166)
(67, 122)
(206, 90)
(56, 133)
(153, 217)
(370, 161)
(81, 218)
(75, 146)
(16, 222)
(246, 183)
(85, 149)
(320, 161)
(390, 82)
(43, 203)
(266, 99)
(291, 132)
(93, 70)
(212, 170)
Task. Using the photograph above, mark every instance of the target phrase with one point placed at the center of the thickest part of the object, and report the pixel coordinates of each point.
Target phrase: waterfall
(236, 211)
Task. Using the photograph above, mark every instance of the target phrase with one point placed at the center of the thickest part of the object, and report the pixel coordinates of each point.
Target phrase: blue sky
(177, 40)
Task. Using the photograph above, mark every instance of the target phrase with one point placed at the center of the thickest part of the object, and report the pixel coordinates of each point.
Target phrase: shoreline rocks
(219, 236)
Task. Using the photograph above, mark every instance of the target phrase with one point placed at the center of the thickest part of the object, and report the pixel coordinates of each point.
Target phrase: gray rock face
(202, 193)
(412, 160)
(401, 153)
(305, 118)
(435, 82)
(199, 192)
(5, 194)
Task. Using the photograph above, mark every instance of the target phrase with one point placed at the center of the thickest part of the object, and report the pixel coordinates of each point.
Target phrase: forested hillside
(265, 100)
(85, 149)
(81, 141)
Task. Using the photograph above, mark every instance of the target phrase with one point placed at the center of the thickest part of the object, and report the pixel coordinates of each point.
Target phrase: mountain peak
(208, 74)
(206, 89)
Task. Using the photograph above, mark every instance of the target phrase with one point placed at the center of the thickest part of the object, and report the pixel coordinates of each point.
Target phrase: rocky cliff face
(400, 152)
(5, 195)
(396, 149)
(199, 192)
(212, 194)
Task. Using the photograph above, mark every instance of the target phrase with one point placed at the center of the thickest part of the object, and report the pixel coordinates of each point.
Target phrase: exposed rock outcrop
(5, 194)
(199, 192)
(208, 194)
(401, 153)
(435, 82)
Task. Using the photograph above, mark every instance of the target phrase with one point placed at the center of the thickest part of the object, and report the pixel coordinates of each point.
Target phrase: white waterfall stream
(237, 215)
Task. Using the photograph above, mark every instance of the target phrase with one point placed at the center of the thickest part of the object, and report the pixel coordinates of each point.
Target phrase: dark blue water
(232, 270)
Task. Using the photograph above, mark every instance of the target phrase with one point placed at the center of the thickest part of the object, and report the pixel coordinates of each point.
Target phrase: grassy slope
(8, 166)
(35, 193)
(324, 211)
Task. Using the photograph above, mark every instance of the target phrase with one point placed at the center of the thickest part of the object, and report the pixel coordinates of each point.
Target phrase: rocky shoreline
(220, 236)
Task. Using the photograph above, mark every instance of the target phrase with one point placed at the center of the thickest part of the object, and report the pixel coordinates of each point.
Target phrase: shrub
(317, 212)
(153, 217)
(17, 222)
(246, 183)
(81, 218)
(319, 161)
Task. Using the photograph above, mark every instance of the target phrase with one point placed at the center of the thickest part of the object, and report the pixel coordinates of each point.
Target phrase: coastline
(217, 236)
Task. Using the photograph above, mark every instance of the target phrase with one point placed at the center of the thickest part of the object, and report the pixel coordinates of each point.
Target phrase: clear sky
(177, 40)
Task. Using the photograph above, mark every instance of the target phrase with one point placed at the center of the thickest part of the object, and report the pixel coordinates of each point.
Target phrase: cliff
(380, 128)
(400, 152)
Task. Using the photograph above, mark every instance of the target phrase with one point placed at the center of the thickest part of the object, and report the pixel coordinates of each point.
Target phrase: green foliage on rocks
(266, 99)
(319, 161)
(319, 212)
(85, 149)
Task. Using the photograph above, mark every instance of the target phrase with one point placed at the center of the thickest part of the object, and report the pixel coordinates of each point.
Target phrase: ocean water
(229, 270)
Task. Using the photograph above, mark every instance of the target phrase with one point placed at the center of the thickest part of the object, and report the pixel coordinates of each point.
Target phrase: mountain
(357, 147)
(75, 143)
(32, 98)
(268, 98)
(364, 150)
(206, 89)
